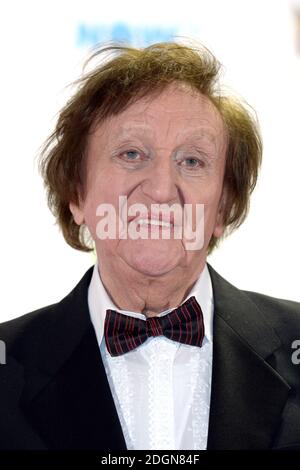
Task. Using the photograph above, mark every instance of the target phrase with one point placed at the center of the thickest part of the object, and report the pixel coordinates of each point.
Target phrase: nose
(161, 184)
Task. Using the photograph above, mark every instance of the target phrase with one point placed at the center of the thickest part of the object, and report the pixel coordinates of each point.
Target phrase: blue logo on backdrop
(90, 34)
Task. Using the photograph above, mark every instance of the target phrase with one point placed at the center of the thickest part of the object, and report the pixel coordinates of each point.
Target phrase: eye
(131, 156)
(192, 163)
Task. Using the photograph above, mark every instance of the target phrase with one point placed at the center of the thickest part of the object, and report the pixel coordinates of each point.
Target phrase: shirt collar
(99, 301)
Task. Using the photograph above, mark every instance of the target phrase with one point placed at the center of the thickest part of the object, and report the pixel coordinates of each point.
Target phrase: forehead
(176, 112)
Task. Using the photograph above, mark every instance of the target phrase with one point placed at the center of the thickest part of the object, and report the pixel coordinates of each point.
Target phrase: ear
(219, 225)
(77, 213)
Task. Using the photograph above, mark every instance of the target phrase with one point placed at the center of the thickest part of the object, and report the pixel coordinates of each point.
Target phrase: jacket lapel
(15, 431)
(248, 395)
(67, 398)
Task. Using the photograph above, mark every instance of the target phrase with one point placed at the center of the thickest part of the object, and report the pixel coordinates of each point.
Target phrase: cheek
(101, 192)
(209, 196)
(90, 218)
(211, 208)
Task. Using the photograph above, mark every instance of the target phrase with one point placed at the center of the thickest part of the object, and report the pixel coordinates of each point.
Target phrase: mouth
(153, 223)
(155, 220)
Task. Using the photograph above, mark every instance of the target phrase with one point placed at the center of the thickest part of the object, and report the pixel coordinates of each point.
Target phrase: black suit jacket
(54, 392)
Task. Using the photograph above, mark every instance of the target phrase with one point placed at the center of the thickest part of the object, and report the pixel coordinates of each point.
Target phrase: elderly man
(153, 349)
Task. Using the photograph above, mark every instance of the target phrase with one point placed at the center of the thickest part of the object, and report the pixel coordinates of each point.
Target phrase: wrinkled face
(163, 149)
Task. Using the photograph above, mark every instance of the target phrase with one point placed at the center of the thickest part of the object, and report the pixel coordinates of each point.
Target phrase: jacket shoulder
(275, 305)
(282, 314)
(27, 333)
(12, 331)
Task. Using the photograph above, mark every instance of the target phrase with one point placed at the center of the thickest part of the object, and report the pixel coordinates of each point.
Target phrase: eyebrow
(202, 133)
(142, 129)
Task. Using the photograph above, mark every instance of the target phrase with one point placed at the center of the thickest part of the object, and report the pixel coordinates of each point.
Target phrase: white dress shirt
(162, 388)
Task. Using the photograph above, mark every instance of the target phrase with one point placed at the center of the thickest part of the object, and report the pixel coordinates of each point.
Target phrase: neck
(133, 291)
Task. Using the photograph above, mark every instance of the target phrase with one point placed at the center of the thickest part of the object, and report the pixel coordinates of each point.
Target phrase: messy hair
(123, 76)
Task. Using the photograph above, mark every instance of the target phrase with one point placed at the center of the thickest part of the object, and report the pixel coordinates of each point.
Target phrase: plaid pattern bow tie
(124, 333)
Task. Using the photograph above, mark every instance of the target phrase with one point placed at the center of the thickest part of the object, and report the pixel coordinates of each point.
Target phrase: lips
(156, 218)
(154, 223)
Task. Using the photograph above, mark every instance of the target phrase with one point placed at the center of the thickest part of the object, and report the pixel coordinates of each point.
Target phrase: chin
(154, 269)
(156, 260)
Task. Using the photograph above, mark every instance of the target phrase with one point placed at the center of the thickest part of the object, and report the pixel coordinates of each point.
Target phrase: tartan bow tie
(124, 333)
